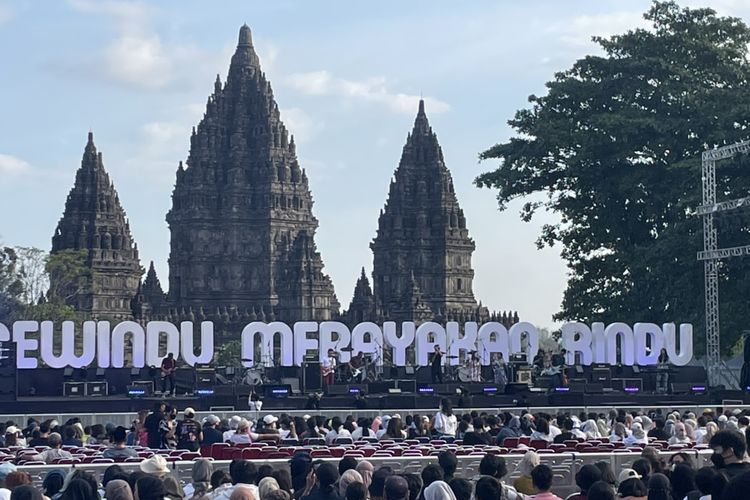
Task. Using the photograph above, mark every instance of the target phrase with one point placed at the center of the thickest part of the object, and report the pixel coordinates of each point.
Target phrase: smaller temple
(95, 221)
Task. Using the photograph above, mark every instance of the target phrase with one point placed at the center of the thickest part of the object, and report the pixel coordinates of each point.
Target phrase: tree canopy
(615, 145)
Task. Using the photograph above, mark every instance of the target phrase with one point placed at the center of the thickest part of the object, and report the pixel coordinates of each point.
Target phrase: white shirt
(554, 431)
(228, 435)
(225, 493)
(701, 431)
(329, 362)
(332, 436)
(445, 424)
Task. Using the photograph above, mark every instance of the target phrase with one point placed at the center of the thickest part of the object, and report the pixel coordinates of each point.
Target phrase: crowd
(650, 477)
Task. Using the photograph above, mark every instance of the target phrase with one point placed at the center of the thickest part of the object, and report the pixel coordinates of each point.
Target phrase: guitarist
(355, 367)
(328, 367)
(168, 366)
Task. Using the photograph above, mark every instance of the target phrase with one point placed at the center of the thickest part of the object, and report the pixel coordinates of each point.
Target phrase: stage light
(632, 390)
(562, 389)
(205, 392)
(136, 391)
(425, 389)
(698, 389)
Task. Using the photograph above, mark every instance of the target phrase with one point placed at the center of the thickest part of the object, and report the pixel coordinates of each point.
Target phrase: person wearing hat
(156, 465)
(5, 469)
(188, 432)
(211, 433)
(630, 486)
(234, 422)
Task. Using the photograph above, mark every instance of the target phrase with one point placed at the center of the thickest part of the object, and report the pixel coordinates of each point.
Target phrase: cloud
(578, 31)
(299, 123)
(12, 166)
(373, 90)
(6, 14)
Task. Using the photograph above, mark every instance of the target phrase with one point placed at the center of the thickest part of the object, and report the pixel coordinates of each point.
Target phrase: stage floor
(121, 404)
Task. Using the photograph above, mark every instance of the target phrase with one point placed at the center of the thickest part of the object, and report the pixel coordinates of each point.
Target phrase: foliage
(615, 145)
(230, 354)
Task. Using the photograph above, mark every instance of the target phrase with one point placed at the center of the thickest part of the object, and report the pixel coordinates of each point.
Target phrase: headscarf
(117, 489)
(202, 470)
(620, 430)
(638, 432)
(439, 490)
(528, 462)
(679, 431)
(266, 486)
(172, 488)
(515, 425)
(347, 478)
(602, 426)
(365, 470)
(242, 493)
(647, 423)
(689, 426)
(590, 429)
(711, 429)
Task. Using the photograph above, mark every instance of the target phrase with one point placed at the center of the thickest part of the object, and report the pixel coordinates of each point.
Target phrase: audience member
(524, 484)
(541, 478)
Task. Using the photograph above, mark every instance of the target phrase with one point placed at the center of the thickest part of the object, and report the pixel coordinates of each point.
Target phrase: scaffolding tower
(712, 254)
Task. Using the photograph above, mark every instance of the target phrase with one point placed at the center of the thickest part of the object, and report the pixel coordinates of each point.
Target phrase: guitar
(326, 370)
(166, 372)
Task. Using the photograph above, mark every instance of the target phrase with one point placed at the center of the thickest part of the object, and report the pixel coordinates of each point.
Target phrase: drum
(464, 374)
(253, 377)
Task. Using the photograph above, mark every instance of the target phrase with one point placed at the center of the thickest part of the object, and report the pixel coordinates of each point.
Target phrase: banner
(105, 345)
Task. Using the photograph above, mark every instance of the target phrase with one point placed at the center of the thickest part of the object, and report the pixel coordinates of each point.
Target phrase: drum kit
(258, 374)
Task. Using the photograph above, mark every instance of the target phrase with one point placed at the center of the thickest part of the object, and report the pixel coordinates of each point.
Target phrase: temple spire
(421, 124)
(244, 56)
(246, 37)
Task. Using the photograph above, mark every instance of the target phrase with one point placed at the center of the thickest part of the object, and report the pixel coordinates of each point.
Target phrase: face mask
(717, 460)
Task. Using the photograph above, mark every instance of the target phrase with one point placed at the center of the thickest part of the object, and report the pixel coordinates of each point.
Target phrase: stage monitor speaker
(311, 377)
(277, 391)
(594, 388)
(140, 388)
(338, 390)
(602, 375)
(574, 383)
(427, 389)
(380, 387)
(407, 385)
(632, 385)
(681, 387)
(100, 388)
(354, 389)
(516, 388)
(74, 389)
(292, 382)
(523, 376)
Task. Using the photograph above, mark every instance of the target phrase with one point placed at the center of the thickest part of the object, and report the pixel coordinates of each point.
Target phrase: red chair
(320, 454)
(510, 442)
(215, 449)
(524, 440)
(100, 460)
(133, 460)
(190, 455)
(539, 444)
(205, 450)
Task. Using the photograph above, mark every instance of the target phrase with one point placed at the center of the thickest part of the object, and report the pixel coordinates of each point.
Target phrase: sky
(347, 77)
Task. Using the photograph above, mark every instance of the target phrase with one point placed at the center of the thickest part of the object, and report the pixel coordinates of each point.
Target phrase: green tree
(615, 145)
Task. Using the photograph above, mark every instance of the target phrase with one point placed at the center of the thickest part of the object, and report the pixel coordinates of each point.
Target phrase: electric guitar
(326, 370)
(166, 372)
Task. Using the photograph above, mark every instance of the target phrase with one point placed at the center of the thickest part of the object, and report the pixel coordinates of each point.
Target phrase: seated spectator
(541, 477)
(118, 490)
(69, 437)
(396, 488)
(632, 488)
(43, 438)
(601, 491)
(608, 475)
(567, 431)
(16, 479)
(118, 449)
(201, 475)
(619, 433)
(54, 441)
(659, 488)
(585, 478)
(438, 490)
(461, 488)
(243, 473)
(26, 492)
(488, 488)
(524, 484)
(156, 466)
(542, 430)
(325, 475)
(337, 431)
(234, 423)
(448, 462)
(637, 436)
(680, 435)
(512, 430)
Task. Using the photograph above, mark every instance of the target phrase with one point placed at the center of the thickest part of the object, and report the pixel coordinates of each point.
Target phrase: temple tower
(95, 221)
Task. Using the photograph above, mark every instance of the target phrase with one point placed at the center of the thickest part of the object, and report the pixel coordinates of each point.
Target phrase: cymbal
(346, 349)
(451, 357)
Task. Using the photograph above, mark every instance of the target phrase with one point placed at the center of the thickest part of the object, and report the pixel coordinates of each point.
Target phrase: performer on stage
(662, 372)
(499, 371)
(436, 365)
(328, 367)
(475, 368)
(168, 366)
(356, 365)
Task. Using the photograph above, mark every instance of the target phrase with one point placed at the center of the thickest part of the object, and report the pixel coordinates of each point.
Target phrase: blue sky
(347, 77)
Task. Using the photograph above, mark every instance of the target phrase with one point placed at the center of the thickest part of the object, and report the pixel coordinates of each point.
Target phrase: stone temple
(243, 232)
(94, 221)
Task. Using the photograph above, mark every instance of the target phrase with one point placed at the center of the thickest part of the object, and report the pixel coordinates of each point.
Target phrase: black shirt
(437, 359)
(152, 426)
(659, 434)
(734, 470)
(40, 441)
(318, 494)
(212, 435)
(188, 434)
(564, 436)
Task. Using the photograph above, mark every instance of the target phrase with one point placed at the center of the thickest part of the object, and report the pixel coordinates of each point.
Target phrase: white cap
(269, 419)
(189, 412)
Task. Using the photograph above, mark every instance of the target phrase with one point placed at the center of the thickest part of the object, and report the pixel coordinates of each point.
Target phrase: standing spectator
(211, 433)
(430, 474)
(16, 479)
(461, 488)
(488, 488)
(365, 470)
(541, 477)
(729, 450)
(151, 424)
(188, 432)
(396, 488)
(118, 489)
(683, 482)
(243, 474)
(704, 480)
(321, 483)
(445, 423)
(524, 484)
(118, 449)
(53, 482)
(377, 486)
(632, 489)
(149, 488)
(348, 477)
